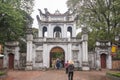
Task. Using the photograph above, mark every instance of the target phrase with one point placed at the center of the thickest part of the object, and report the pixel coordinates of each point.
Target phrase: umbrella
(1, 55)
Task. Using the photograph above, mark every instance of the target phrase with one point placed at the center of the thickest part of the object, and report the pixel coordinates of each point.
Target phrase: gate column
(85, 64)
(29, 49)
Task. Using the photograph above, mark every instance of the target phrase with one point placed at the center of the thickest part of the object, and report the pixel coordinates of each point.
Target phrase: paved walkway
(55, 75)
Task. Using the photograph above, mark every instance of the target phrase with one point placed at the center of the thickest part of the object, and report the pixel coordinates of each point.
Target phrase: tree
(27, 6)
(13, 20)
(102, 17)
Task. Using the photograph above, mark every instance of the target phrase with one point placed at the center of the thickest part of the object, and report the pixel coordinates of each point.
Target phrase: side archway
(11, 61)
(103, 60)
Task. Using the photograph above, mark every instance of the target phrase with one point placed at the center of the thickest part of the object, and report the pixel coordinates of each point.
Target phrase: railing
(40, 39)
(14, 43)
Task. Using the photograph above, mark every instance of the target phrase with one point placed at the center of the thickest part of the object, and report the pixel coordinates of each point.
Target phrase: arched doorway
(57, 53)
(57, 32)
(11, 61)
(103, 60)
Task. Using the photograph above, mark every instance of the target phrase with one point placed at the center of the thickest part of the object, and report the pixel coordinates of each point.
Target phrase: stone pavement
(55, 75)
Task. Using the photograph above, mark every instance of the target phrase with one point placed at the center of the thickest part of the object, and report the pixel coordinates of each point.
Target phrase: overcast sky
(51, 5)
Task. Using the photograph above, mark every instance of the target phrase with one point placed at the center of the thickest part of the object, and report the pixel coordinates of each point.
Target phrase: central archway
(55, 53)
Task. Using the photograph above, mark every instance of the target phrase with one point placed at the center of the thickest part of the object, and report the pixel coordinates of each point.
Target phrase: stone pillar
(29, 49)
(74, 30)
(17, 56)
(64, 31)
(45, 56)
(85, 64)
(40, 34)
(5, 58)
(50, 33)
(109, 57)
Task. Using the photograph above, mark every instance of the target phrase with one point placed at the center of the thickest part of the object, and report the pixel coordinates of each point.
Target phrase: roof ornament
(46, 11)
(57, 12)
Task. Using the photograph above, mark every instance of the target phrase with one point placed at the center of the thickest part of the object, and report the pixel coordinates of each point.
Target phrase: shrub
(114, 74)
(2, 73)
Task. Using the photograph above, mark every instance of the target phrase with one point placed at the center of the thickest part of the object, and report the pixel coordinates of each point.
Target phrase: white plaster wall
(5, 61)
(34, 47)
(16, 58)
(46, 54)
(50, 31)
(6, 57)
(109, 62)
(80, 55)
(69, 51)
(64, 31)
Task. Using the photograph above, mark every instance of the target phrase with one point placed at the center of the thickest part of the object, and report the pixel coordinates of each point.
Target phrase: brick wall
(116, 64)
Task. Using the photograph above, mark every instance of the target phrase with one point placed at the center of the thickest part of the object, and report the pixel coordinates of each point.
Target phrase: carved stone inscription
(39, 57)
(75, 55)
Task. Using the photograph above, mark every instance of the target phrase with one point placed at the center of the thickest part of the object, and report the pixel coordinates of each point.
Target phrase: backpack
(71, 68)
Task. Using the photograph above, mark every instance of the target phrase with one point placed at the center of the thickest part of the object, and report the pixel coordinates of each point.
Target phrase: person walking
(70, 70)
(58, 63)
(66, 67)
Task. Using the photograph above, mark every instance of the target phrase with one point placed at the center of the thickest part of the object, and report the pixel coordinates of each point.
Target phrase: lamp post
(117, 40)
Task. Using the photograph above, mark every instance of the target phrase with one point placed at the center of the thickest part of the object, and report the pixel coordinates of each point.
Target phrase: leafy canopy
(102, 17)
(13, 20)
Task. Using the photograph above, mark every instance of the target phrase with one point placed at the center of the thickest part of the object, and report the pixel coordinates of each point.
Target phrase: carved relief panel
(75, 55)
(39, 57)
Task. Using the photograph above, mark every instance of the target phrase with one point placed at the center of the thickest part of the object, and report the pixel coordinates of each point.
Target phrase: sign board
(114, 49)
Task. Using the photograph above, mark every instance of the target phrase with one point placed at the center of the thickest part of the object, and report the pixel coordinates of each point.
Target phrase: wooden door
(103, 60)
(11, 61)
(1, 63)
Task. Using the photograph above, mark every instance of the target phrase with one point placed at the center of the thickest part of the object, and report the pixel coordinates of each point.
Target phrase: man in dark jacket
(70, 70)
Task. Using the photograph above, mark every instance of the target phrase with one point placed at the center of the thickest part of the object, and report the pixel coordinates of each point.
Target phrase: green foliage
(102, 17)
(79, 36)
(27, 6)
(91, 40)
(35, 32)
(57, 55)
(22, 46)
(14, 3)
(113, 74)
(13, 22)
(74, 2)
(117, 56)
(2, 73)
